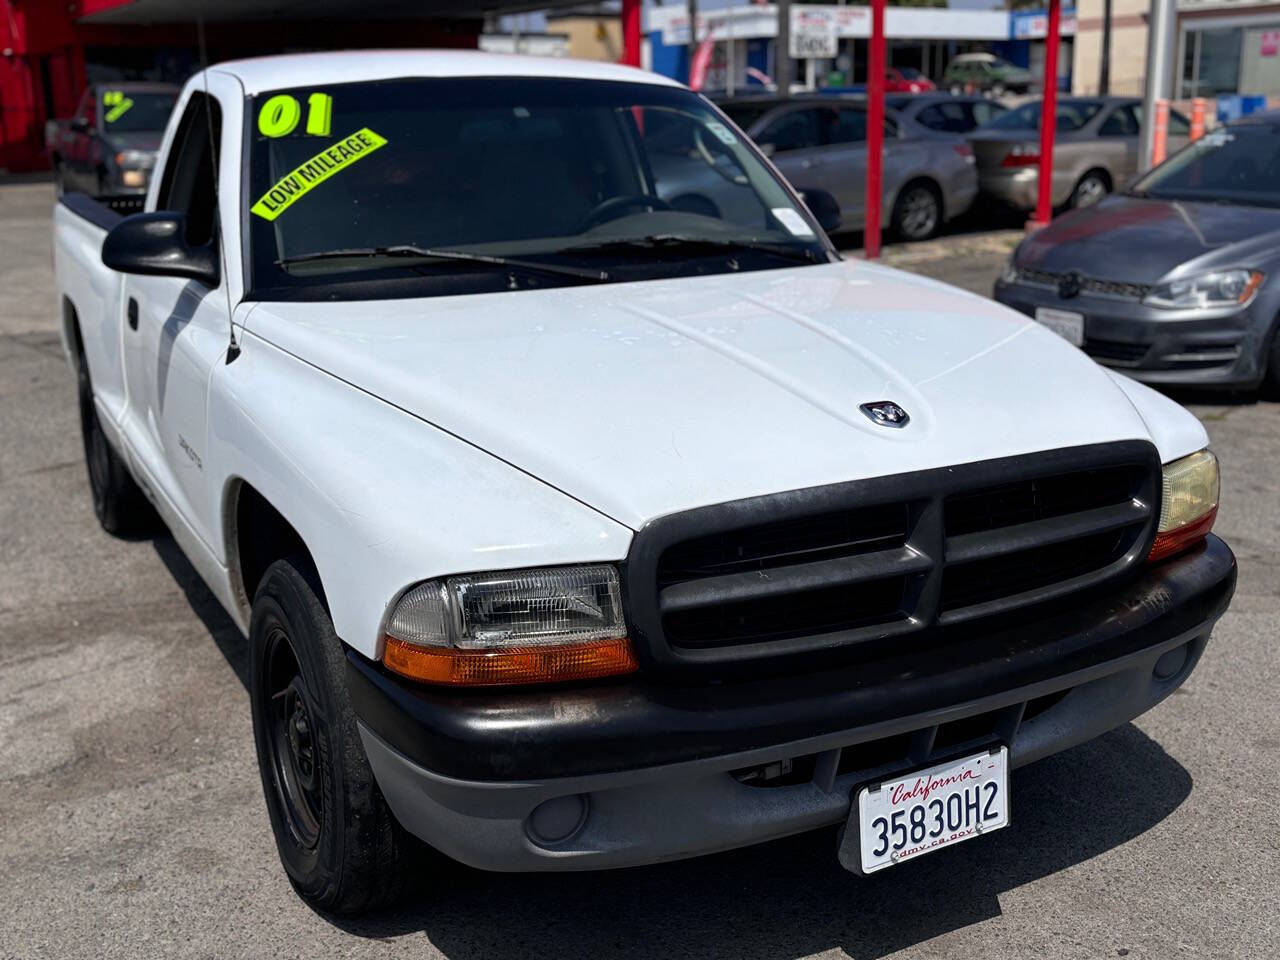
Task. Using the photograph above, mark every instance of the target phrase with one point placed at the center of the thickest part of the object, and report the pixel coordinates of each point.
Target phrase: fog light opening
(557, 820)
(1171, 663)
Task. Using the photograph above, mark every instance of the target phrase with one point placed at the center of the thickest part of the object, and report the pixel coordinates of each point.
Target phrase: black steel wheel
(338, 840)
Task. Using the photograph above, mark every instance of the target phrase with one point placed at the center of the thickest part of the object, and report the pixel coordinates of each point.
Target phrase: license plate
(1069, 326)
(902, 819)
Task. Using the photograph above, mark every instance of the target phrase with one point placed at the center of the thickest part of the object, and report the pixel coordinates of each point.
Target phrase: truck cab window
(188, 182)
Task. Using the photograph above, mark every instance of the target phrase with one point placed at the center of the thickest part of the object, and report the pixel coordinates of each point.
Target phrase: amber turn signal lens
(1175, 541)
(513, 665)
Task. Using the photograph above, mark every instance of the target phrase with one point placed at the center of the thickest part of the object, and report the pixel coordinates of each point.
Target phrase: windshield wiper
(671, 241)
(409, 251)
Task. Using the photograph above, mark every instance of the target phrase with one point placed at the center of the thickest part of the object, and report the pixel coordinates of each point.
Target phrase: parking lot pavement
(131, 820)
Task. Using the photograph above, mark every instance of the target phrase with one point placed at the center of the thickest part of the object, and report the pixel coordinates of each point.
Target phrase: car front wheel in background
(917, 213)
(1090, 189)
(338, 840)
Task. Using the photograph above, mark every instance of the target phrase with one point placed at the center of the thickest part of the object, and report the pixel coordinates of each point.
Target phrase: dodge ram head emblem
(886, 413)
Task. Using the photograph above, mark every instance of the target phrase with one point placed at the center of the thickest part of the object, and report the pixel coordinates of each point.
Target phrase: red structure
(631, 32)
(1048, 117)
(875, 131)
(51, 49)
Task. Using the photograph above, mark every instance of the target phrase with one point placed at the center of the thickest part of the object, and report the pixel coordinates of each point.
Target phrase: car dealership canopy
(50, 51)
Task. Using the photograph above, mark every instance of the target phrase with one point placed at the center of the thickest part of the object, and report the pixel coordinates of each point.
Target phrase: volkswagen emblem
(886, 413)
(1069, 285)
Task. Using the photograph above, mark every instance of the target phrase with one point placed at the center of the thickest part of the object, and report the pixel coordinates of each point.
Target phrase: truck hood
(1141, 240)
(642, 399)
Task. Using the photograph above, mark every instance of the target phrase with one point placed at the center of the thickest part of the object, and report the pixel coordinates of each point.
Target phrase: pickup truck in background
(573, 528)
(109, 145)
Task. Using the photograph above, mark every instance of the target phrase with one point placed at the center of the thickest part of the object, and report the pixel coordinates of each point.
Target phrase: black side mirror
(823, 206)
(156, 244)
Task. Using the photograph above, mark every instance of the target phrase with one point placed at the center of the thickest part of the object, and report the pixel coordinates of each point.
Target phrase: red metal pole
(631, 32)
(1048, 117)
(875, 131)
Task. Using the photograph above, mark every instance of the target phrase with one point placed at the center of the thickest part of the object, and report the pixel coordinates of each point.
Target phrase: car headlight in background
(1188, 504)
(1222, 288)
(513, 626)
(136, 159)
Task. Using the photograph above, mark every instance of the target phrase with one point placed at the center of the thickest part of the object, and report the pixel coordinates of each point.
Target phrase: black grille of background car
(880, 561)
(1105, 288)
(1116, 352)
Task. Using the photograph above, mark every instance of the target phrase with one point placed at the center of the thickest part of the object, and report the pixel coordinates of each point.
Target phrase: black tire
(1091, 189)
(338, 841)
(917, 211)
(118, 502)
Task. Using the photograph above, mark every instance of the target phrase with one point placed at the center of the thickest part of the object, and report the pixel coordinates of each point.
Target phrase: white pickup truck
(575, 522)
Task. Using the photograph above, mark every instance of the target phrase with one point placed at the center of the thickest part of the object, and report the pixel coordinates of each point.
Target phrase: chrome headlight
(511, 626)
(1222, 288)
(1188, 503)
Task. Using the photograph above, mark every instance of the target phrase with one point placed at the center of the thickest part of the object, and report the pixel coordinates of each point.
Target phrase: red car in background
(907, 80)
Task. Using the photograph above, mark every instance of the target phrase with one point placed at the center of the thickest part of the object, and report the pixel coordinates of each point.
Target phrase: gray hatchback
(1096, 145)
(1176, 281)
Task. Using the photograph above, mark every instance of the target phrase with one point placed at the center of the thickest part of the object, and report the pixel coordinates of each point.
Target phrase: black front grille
(1116, 351)
(863, 565)
(1119, 289)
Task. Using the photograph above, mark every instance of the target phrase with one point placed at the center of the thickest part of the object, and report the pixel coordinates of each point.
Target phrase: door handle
(131, 313)
(810, 163)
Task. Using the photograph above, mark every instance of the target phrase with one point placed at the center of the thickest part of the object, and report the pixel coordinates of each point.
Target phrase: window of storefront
(1230, 58)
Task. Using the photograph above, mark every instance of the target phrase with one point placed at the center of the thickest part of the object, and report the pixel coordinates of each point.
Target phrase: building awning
(215, 11)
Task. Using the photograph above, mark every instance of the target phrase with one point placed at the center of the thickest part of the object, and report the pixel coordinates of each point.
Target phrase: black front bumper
(636, 723)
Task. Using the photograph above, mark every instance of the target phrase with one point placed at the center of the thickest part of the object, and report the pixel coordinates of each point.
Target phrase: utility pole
(1104, 68)
(1161, 42)
(782, 50)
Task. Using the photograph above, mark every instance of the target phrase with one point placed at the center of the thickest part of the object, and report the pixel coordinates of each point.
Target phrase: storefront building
(50, 50)
(923, 38)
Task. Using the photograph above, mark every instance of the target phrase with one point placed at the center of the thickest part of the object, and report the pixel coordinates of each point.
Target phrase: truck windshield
(132, 111)
(616, 181)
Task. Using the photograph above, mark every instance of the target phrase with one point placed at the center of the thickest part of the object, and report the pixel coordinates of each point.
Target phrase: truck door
(176, 330)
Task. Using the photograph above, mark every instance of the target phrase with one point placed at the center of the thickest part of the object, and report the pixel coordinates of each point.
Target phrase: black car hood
(1140, 240)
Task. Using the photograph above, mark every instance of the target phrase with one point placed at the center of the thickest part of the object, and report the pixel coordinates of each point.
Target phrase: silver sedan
(1095, 151)
(820, 143)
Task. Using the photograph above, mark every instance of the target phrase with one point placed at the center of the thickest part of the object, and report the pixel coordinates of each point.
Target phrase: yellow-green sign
(117, 105)
(302, 179)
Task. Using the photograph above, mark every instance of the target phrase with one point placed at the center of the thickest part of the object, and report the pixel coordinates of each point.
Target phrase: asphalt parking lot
(132, 822)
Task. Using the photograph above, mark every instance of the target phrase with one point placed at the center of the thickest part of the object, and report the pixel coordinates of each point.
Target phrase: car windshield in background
(746, 114)
(129, 111)
(467, 185)
(1071, 116)
(1238, 164)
